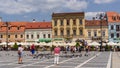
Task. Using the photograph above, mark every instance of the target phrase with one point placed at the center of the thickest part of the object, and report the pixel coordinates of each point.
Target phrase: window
(48, 35)
(9, 28)
(44, 36)
(81, 32)
(31, 36)
(27, 36)
(113, 17)
(61, 32)
(18, 28)
(89, 34)
(103, 34)
(117, 27)
(74, 32)
(74, 22)
(55, 23)
(95, 34)
(15, 36)
(112, 27)
(117, 35)
(1, 36)
(68, 32)
(55, 32)
(68, 22)
(80, 22)
(61, 23)
(37, 36)
(8, 36)
(21, 36)
(112, 35)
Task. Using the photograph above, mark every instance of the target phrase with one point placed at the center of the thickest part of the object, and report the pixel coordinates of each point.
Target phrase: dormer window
(114, 17)
(9, 28)
(18, 28)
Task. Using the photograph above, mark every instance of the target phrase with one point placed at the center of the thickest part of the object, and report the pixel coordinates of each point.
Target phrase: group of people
(32, 50)
(20, 52)
(57, 50)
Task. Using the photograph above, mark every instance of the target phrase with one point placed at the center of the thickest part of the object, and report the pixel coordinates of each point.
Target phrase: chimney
(93, 18)
(34, 20)
(43, 20)
(0, 19)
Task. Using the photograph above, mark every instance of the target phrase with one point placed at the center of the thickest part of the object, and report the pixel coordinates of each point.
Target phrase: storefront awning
(58, 39)
(45, 40)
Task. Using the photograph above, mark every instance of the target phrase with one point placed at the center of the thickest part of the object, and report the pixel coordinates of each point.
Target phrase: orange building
(15, 31)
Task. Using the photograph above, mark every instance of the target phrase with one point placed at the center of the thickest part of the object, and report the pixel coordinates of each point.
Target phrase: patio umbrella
(111, 43)
(93, 44)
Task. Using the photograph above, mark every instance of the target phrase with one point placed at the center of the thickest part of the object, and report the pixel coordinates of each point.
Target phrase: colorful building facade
(37, 31)
(95, 30)
(12, 31)
(113, 26)
(68, 26)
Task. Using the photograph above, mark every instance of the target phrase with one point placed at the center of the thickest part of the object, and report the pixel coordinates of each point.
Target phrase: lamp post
(101, 17)
(6, 34)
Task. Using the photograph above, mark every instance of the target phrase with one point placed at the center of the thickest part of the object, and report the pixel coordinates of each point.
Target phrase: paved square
(93, 60)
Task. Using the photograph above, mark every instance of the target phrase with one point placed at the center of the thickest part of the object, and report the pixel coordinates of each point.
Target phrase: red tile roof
(39, 25)
(95, 23)
(24, 25)
(111, 15)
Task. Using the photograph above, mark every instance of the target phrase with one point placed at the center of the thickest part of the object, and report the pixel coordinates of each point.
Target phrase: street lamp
(6, 34)
(101, 17)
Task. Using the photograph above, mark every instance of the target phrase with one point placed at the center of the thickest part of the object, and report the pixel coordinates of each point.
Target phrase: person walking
(56, 54)
(20, 54)
(32, 49)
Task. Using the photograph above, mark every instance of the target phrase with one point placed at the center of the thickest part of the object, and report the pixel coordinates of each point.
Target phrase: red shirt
(57, 50)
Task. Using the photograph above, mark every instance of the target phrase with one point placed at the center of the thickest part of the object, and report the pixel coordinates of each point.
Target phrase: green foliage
(77, 44)
(92, 48)
(52, 48)
(107, 48)
(15, 46)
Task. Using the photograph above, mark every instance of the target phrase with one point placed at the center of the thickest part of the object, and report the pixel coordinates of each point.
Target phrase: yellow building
(93, 30)
(68, 26)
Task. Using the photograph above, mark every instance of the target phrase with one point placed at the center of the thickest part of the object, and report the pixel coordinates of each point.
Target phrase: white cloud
(26, 6)
(103, 1)
(90, 15)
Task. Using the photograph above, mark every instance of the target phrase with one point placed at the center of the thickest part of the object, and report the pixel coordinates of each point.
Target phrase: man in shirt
(20, 54)
(56, 54)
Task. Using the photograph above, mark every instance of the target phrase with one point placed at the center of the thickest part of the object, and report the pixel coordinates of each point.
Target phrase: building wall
(96, 29)
(10, 33)
(71, 18)
(36, 32)
(114, 31)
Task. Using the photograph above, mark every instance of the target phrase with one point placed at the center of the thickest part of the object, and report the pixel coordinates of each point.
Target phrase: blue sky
(26, 10)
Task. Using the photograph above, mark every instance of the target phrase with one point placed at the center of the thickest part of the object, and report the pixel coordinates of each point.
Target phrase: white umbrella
(93, 44)
(111, 43)
(3, 43)
(11, 43)
(118, 44)
(49, 44)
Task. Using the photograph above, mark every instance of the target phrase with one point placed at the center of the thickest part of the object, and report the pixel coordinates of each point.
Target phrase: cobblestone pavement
(93, 60)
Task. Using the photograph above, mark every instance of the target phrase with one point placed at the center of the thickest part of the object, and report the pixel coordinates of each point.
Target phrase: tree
(15, 46)
(77, 44)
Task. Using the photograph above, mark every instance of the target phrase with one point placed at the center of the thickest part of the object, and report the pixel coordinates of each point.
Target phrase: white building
(38, 30)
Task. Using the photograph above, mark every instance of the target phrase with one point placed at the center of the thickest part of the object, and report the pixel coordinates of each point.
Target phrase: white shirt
(20, 48)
